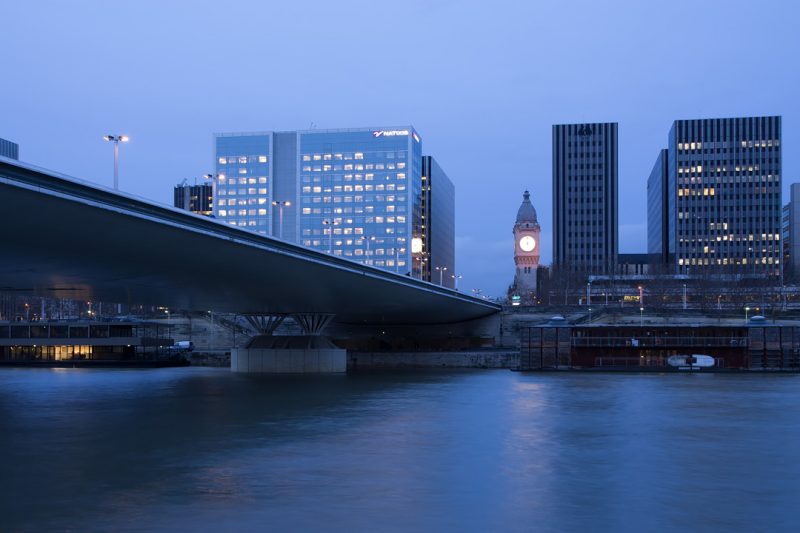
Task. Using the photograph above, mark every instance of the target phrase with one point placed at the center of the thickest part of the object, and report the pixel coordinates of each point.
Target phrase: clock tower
(526, 248)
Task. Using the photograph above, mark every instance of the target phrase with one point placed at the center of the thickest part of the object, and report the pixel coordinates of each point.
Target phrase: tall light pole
(641, 316)
(456, 277)
(589, 293)
(367, 241)
(641, 296)
(281, 204)
(746, 310)
(331, 223)
(684, 296)
(116, 139)
(441, 271)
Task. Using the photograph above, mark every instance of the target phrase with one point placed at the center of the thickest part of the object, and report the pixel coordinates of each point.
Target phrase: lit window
(262, 159)
(221, 160)
(242, 159)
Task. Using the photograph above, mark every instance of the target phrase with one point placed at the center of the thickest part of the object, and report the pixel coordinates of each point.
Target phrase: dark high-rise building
(657, 211)
(438, 230)
(724, 202)
(585, 197)
(9, 149)
(791, 234)
(198, 199)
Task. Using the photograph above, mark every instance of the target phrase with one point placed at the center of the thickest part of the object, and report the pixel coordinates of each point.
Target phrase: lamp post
(281, 204)
(746, 310)
(641, 296)
(589, 293)
(684, 296)
(641, 316)
(330, 223)
(456, 277)
(441, 272)
(116, 139)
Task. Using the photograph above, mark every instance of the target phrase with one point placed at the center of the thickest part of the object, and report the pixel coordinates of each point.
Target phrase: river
(206, 450)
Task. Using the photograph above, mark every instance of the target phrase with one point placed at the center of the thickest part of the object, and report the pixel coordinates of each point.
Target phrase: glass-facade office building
(9, 149)
(198, 199)
(657, 202)
(724, 203)
(243, 180)
(354, 193)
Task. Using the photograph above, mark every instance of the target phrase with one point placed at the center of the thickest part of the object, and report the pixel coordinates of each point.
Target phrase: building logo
(585, 131)
(389, 133)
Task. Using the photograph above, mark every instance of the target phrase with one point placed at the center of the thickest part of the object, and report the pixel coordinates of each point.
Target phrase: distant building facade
(585, 177)
(9, 149)
(634, 264)
(724, 201)
(658, 211)
(198, 199)
(355, 193)
(791, 234)
(438, 230)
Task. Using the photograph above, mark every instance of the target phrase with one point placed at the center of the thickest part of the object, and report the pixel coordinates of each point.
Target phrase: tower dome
(526, 212)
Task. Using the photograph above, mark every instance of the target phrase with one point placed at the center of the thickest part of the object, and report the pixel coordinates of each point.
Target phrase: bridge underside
(66, 239)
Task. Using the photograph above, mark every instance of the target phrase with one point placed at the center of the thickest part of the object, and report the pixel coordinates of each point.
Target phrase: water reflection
(487, 450)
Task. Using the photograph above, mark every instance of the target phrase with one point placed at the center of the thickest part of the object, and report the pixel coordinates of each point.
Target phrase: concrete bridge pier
(310, 353)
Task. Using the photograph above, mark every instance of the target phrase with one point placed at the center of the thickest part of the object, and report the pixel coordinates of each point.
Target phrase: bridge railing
(661, 341)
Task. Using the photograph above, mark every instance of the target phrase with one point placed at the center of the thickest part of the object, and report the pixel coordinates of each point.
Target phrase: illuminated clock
(527, 243)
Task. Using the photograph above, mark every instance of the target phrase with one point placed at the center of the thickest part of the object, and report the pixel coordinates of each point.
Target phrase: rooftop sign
(389, 133)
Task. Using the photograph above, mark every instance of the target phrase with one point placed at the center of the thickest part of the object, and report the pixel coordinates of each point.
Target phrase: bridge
(66, 238)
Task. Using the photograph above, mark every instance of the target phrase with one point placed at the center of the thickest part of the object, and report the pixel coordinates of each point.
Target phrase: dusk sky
(482, 82)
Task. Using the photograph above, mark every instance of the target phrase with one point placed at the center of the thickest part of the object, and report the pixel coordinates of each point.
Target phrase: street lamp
(116, 139)
(281, 204)
(746, 310)
(641, 295)
(641, 316)
(684, 296)
(589, 293)
(441, 271)
(331, 223)
(456, 277)
(367, 241)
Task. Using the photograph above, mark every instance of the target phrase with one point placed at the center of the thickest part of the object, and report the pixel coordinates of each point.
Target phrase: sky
(482, 82)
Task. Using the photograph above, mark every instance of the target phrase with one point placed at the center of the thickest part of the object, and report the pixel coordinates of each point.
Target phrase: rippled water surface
(207, 450)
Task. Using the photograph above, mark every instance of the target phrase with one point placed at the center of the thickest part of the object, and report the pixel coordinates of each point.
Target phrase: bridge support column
(313, 323)
(284, 354)
(265, 324)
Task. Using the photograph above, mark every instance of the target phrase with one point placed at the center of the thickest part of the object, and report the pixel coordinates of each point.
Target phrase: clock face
(527, 243)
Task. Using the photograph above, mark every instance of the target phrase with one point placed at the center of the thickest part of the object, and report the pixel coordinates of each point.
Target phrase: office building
(585, 177)
(198, 199)
(354, 193)
(724, 203)
(438, 231)
(791, 234)
(657, 211)
(9, 149)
